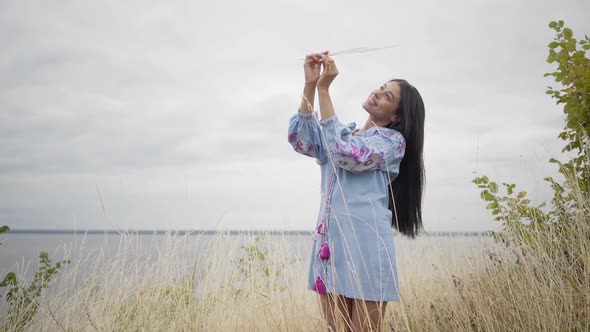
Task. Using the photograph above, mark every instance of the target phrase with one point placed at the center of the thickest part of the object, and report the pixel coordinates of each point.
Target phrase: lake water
(19, 252)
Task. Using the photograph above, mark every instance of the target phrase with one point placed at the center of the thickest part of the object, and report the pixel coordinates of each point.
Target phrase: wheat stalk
(359, 50)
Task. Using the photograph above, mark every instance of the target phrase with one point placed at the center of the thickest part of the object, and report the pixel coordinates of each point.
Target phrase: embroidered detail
(401, 142)
(319, 286)
(324, 251)
(304, 148)
(299, 146)
(292, 137)
(323, 254)
(305, 116)
(388, 133)
(321, 229)
(328, 121)
(401, 147)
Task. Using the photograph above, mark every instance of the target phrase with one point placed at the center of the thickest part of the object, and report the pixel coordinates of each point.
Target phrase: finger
(326, 58)
(311, 60)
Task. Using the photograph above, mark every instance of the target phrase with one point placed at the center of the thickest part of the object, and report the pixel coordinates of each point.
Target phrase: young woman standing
(372, 179)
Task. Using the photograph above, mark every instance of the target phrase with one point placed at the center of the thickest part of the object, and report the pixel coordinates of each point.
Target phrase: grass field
(253, 283)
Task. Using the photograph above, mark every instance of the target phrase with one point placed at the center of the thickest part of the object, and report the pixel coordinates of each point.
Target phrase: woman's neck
(371, 123)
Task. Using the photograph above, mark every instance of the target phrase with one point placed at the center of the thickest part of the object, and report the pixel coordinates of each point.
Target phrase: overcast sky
(174, 114)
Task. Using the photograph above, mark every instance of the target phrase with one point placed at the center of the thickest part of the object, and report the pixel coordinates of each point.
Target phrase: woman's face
(382, 103)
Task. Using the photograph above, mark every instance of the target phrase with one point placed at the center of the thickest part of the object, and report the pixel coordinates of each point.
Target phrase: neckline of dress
(352, 125)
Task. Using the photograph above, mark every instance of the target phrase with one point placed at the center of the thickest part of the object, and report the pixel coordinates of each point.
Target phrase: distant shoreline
(206, 232)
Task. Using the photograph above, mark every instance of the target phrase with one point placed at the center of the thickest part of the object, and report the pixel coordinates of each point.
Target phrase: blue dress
(353, 249)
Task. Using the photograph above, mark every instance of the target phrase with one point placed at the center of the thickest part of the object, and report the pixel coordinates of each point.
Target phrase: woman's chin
(369, 110)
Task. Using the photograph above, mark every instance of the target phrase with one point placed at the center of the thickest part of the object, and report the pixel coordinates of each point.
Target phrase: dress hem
(395, 299)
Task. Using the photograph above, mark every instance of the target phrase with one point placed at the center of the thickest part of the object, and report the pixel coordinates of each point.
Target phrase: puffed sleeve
(384, 150)
(305, 136)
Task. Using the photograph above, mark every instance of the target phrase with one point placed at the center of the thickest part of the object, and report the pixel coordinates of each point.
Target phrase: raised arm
(384, 150)
(311, 69)
(304, 131)
(327, 77)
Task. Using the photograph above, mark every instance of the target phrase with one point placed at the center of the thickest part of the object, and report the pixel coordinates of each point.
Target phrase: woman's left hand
(329, 73)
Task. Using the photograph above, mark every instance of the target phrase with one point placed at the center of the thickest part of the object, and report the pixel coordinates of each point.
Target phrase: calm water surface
(19, 252)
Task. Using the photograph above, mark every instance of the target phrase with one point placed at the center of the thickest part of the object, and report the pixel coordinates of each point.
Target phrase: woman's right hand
(312, 67)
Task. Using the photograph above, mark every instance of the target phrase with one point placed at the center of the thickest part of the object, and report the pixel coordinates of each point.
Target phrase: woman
(372, 180)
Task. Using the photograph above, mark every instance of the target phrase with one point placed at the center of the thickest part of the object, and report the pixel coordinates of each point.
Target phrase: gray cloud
(179, 112)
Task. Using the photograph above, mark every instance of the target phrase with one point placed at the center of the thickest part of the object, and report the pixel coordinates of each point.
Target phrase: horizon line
(208, 231)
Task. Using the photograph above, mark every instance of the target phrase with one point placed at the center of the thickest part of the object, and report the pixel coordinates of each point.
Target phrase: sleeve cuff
(305, 116)
(331, 120)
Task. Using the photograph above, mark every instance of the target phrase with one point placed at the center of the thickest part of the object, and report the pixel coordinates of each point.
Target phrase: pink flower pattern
(379, 150)
(306, 148)
(373, 150)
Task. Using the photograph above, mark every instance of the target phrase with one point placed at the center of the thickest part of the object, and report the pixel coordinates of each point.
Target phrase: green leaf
(571, 45)
(485, 195)
(521, 194)
(510, 188)
(553, 24)
(586, 47)
(553, 45)
(492, 205)
(567, 32)
(493, 187)
(552, 56)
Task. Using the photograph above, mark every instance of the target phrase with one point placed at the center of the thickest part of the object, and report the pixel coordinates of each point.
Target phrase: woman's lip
(372, 102)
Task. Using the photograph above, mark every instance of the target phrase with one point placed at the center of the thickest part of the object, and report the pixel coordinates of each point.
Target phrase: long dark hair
(409, 184)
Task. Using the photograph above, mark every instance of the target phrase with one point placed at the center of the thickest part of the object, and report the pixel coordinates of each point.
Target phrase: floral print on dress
(382, 150)
(372, 150)
(305, 136)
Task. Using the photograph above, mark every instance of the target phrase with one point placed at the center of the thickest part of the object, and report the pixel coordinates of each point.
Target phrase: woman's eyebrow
(391, 95)
(388, 92)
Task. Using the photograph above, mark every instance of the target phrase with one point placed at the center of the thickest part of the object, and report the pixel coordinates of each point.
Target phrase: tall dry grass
(250, 283)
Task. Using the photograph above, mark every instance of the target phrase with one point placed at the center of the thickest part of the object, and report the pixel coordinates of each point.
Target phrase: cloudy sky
(174, 114)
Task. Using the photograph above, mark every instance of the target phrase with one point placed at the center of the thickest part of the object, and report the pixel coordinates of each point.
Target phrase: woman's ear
(394, 119)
